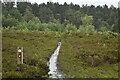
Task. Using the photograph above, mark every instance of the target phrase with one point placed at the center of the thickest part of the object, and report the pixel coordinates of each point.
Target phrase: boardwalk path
(54, 71)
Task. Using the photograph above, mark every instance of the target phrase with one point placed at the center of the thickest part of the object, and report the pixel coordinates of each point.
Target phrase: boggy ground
(38, 47)
(89, 56)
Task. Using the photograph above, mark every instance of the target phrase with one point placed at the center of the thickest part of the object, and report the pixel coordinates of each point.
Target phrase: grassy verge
(89, 56)
(38, 47)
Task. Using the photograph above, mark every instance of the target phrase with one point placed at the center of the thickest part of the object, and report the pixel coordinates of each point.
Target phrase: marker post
(20, 55)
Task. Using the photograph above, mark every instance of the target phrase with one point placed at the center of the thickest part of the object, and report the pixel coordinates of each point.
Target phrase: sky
(81, 2)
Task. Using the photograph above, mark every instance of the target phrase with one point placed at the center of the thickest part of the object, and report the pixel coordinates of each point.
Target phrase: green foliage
(34, 24)
(89, 56)
(13, 74)
(47, 30)
(87, 26)
(51, 27)
(38, 47)
(89, 29)
(74, 16)
(66, 22)
(81, 29)
(28, 15)
(22, 26)
(93, 55)
(46, 15)
(9, 21)
(15, 14)
(70, 28)
(103, 29)
(99, 16)
(87, 20)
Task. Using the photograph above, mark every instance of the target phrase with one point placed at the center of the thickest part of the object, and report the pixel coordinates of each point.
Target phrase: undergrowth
(82, 55)
(38, 47)
(89, 55)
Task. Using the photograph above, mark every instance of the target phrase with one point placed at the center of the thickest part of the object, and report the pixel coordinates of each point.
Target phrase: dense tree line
(60, 17)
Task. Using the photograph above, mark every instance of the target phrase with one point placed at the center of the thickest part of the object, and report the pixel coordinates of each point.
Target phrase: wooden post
(20, 55)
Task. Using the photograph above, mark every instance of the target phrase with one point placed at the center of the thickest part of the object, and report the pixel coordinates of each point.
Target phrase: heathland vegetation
(89, 56)
(89, 37)
(38, 47)
(81, 56)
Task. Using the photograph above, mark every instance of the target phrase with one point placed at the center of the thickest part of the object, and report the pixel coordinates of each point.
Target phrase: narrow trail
(54, 71)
